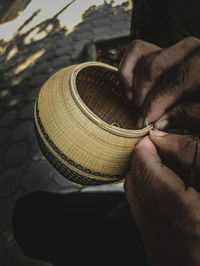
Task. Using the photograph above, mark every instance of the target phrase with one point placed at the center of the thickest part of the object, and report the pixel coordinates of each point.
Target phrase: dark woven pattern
(61, 168)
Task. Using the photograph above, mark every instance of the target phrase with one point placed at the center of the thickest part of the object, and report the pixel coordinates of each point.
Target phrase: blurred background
(37, 38)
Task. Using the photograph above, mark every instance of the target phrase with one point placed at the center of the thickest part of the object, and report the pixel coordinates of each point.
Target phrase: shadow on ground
(26, 62)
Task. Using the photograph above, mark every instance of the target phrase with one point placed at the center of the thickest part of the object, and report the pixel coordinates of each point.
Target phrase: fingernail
(157, 133)
(140, 123)
(161, 124)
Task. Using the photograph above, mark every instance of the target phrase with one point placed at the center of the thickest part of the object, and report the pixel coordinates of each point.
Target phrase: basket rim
(91, 115)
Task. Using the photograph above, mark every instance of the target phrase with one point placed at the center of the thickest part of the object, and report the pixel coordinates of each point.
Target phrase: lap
(79, 227)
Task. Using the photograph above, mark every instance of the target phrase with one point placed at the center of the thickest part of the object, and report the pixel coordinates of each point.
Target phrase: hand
(164, 84)
(166, 210)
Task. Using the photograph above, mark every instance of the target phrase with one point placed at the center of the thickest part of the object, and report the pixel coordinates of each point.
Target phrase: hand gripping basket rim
(71, 169)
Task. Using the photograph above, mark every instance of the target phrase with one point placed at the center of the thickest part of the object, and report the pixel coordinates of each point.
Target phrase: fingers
(158, 101)
(157, 80)
(184, 115)
(161, 205)
(136, 50)
(179, 152)
(180, 76)
(149, 68)
(148, 177)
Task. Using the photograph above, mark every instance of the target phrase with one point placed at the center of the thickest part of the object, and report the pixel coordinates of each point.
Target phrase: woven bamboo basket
(83, 126)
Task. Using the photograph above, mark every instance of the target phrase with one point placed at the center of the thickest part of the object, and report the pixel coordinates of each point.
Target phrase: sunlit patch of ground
(28, 61)
(25, 39)
(68, 18)
(30, 38)
(46, 36)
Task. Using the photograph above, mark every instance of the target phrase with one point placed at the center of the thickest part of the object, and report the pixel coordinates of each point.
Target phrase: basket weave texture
(83, 125)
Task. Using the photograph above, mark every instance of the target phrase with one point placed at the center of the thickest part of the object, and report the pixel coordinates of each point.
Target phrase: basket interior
(100, 90)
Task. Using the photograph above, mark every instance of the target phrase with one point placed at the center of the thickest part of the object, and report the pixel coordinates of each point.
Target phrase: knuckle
(155, 67)
(136, 45)
(124, 78)
(148, 67)
(121, 74)
(191, 40)
(147, 71)
(143, 47)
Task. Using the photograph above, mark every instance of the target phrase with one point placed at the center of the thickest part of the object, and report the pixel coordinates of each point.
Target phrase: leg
(78, 227)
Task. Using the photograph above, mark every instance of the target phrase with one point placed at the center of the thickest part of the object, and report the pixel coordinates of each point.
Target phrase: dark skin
(163, 83)
(162, 186)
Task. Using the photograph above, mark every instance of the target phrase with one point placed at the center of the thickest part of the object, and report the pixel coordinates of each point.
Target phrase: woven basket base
(64, 170)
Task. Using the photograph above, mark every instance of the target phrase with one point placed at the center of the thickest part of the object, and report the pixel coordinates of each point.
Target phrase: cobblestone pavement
(25, 64)
(4, 5)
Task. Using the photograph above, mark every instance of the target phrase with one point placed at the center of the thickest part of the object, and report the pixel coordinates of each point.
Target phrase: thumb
(178, 151)
(148, 177)
(184, 115)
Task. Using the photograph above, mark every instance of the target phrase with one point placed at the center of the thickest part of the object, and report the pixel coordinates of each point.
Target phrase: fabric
(165, 22)
(69, 229)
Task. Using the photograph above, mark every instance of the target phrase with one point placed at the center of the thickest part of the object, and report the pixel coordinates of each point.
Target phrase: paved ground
(25, 64)
(4, 5)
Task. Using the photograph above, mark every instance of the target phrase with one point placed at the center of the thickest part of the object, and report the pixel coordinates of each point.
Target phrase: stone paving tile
(38, 80)
(22, 130)
(37, 176)
(2, 251)
(14, 102)
(7, 118)
(34, 151)
(61, 61)
(20, 192)
(4, 134)
(27, 111)
(10, 181)
(23, 168)
(15, 257)
(20, 149)
(6, 206)
(77, 49)
(63, 185)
